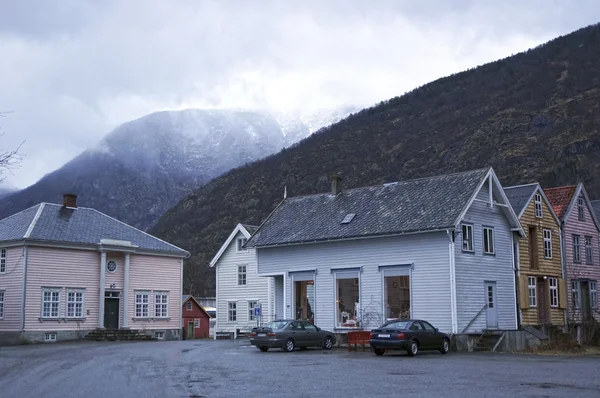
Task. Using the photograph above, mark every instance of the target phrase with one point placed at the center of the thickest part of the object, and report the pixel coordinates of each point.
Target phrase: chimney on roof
(70, 200)
(336, 184)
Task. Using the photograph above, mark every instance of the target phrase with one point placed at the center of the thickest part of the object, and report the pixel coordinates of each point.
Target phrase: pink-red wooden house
(196, 321)
(67, 270)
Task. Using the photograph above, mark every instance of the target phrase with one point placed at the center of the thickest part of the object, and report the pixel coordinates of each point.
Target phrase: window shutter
(523, 292)
(562, 293)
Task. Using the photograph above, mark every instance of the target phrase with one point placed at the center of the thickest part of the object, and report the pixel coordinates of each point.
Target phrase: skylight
(348, 218)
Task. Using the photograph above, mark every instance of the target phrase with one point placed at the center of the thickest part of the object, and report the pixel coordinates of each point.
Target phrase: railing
(475, 317)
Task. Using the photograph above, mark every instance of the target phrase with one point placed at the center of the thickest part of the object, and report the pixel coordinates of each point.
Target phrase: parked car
(411, 335)
(290, 334)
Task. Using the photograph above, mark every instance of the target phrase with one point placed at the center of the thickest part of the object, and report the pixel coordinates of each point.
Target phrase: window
(594, 294)
(467, 238)
(159, 335)
(50, 303)
(396, 284)
(416, 326)
(111, 266)
(196, 323)
(50, 337)
(538, 206)
(242, 275)
(576, 249)
(251, 305)
(161, 300)
(347, 299)
(188, 306)
(1, 304)
(532, 291)
(488, 240)
(2, 261)
(553, 292)
(240, 244)
(589, 252)
(232, 311)
(74, 303)
(580, 209)
(309, 326)
(547, 243)
(575, 294)
(427, 326)
(142, 304)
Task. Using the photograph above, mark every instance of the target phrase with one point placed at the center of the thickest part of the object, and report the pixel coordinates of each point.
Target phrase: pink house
(67, 270)
(580, 241)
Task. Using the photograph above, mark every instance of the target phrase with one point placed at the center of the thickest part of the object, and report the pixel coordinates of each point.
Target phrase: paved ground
(233, 369)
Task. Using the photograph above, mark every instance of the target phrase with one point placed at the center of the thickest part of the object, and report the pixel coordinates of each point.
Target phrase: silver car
(289, 334)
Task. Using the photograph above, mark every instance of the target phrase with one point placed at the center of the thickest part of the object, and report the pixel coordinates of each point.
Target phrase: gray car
(289, 334)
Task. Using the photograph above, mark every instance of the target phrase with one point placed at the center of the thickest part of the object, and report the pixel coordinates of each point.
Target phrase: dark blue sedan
(410, 335)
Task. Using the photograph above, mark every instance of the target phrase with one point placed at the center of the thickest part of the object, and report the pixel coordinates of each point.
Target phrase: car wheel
(413, 348)
(263, 349)
(379, 351)
(445, 346)
(328, 343)
(289, 345)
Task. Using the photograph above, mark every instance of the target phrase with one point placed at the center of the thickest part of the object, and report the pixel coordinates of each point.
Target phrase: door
(190, 330)
(313, 337)
(298, 333)
(111, 313)
(431, 336)
(491, 313)
(542, 301)
(586, 310)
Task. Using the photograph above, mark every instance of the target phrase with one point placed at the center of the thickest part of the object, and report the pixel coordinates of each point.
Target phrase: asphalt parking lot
(233, 369)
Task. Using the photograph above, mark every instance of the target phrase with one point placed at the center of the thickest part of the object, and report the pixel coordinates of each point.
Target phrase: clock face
(111, 266)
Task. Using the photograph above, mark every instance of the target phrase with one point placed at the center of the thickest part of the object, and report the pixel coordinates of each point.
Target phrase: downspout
(24, 291)
(216, 328)
(284, 296)
(517, 273)
(563, 264)
(454, 312)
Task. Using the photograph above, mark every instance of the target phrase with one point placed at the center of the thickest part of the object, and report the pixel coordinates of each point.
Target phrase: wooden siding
(11, 282)
(474, 269)
(192, 315)
(546, 267)
(573, 226)
(256, 287)
(430, 276)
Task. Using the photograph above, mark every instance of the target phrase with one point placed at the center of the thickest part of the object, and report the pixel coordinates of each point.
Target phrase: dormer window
(240, 244)
(538, 206)
(580, 209)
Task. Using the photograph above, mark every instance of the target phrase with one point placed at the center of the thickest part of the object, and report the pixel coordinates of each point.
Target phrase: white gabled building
(238, 288)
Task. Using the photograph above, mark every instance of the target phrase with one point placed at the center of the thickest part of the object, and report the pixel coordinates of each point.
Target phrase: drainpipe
(516, 270)
(563, 263)
(454, 312)
(24, 291)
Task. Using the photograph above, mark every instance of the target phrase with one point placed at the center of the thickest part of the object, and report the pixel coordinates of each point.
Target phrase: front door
(190, 330)
(542, 301)
(492, 307)
(586, 309)
(111, 313)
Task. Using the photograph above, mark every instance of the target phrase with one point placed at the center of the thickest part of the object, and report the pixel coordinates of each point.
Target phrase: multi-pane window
(240, 244)
(161, 300)
(2, 261)
(589, 252)
(576, 248)
(232, 311)
(547, 243)
(488, 240)
(594, 294)
(1, 304)
(196, 323)
(575, 294)
(467, 237)
(553, 292)
(241, 275)
(75, 304)
(142, 304)
(538, 206)
(50, 303)
(188, 306)
(580, 209)
(251, 305)
(532, 291)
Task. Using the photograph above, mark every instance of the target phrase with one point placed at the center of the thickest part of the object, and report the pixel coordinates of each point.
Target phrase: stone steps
(118, 335)
(487, 341)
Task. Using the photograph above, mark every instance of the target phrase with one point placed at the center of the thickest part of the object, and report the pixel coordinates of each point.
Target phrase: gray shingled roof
(596, 207)
(519, 196)
(82, 226)
(250, 228)
(420, 205)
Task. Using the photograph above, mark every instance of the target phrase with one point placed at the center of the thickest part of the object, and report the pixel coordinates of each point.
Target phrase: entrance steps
(118, 335)
(488, 341)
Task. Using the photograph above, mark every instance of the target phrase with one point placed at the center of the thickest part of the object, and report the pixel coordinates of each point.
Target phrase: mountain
(146, 166)
(534, 116)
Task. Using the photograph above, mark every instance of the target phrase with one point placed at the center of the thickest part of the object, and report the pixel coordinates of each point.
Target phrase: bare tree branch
(9, 159)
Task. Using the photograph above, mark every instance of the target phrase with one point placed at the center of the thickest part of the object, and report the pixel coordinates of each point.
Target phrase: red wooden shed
(196, 321)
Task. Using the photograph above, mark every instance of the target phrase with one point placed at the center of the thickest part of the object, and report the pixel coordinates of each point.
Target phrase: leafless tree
(9, 159)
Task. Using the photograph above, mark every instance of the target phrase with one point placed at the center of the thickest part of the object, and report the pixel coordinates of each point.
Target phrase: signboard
(256, 311)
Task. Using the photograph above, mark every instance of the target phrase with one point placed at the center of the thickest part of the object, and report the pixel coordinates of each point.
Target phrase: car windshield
(397, 325)
(275, 325)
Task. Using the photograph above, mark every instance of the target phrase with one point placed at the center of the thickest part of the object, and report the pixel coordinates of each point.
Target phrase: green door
(190, 330)
(111, 313)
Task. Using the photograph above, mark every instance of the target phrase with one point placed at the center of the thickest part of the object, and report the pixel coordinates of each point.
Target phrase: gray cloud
(71, 70)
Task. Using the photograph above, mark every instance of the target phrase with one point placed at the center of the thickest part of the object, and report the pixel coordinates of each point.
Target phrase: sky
(73, 70)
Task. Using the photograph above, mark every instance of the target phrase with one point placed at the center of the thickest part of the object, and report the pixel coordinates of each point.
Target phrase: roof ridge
(522, 185)
(35, 220)
(562, 187)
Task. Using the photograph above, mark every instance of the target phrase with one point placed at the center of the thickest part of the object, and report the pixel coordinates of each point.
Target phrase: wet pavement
(233, 369)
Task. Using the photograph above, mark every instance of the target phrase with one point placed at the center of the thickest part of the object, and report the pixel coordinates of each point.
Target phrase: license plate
(383, 335)
(262, 334)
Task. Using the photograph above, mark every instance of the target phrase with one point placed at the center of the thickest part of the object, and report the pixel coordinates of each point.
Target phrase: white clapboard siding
(11, 283)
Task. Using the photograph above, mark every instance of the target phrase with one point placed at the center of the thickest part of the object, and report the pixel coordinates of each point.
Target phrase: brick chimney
(70, 200)
(336, 184)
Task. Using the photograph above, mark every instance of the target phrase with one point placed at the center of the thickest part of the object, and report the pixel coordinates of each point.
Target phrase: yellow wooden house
(541, 288)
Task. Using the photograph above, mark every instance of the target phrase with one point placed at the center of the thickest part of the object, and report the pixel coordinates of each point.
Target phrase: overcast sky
(72, 70)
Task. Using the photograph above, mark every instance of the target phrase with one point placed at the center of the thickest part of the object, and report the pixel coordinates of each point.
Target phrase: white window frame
(576, 248)
(75, 314)
(488, 238)
(539, 213)
(239, 244)
(593, 294)
(161, 304)
(2, 261)
(532, 289)
(196, 323)
(576, 294)
(341, 275)
(159, 335)
(2, 298)
(232, 311)
(141, 305)
(50, 337)
(242, 275)
(580, 209)
(553, 283)
(589, 249)
(467, 229)
(52, 302)
(547, 233)
(251, 305)
(189, 306)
